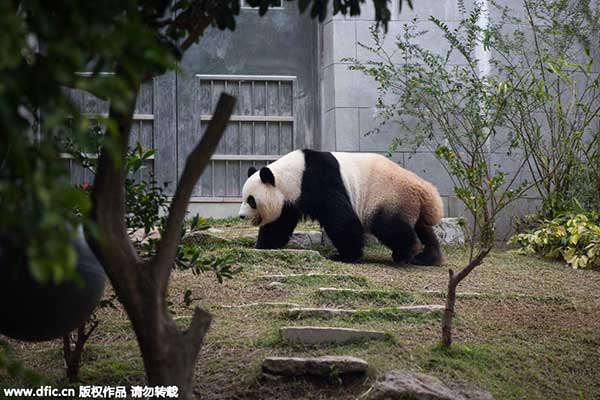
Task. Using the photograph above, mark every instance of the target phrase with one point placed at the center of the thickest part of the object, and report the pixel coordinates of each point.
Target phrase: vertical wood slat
(165, 130)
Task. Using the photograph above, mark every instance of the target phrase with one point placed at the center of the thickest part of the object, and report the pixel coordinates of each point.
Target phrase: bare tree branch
(198, 329)
(453, 282)
(195, 164)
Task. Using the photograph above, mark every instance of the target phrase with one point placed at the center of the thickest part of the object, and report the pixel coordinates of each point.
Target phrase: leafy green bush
(574, 238)
(144, 199)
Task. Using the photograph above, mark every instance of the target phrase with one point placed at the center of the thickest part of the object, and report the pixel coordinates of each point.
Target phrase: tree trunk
(169, 354)
(72, 350)
(453, 282)
(449, 311)
(72, 358)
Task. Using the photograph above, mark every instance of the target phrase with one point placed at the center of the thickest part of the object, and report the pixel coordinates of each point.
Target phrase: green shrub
(574, 238)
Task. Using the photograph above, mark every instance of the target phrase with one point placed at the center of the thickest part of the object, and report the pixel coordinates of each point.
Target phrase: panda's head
(262, 201)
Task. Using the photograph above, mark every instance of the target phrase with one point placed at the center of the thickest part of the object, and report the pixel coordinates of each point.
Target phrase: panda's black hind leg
(432, 253)
(396, 233)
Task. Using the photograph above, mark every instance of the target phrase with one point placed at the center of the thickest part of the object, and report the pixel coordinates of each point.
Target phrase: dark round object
(36, 312)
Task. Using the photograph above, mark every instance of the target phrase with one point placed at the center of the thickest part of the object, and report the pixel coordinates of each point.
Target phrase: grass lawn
(530, 329)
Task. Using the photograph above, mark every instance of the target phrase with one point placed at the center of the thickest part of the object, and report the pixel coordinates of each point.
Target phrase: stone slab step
(314, 366)
(265, 304)
(283, 277)
(305, 239)
(413, 385)
(449, 232)
(299, 313)
(464, 295)
(332, 290)
(306, 252)
(324, 335)
(328, 290)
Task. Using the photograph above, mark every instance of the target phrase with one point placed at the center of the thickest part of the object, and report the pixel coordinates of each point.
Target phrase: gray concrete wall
(349, 97)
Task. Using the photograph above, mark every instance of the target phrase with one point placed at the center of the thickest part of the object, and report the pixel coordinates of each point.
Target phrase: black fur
(266, 176)
(251, 171)
(276, 234)
(396, 233)
(431, 254)
(325, 199)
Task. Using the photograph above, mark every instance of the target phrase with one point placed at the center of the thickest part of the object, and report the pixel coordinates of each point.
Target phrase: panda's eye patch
(251, 202)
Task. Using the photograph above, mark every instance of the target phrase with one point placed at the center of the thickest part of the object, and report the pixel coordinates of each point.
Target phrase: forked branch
(453, 282)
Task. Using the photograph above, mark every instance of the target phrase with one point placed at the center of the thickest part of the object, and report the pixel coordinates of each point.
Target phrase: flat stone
(306, 238)
(140, 236)
(275, 285)
(311, 253)
(449, 232)
(328, 290)
(203, 237)
(283, 277)
(422, 308)
(314, 366)
(266, 304)
(417, 386)
(368, 238)
(300, 313)
(323, 335)
(464, 295)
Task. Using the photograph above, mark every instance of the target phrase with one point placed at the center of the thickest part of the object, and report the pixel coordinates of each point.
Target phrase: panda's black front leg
(343, 228)
(276, 234)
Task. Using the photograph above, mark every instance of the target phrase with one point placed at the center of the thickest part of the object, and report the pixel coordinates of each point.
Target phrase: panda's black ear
(266, 176)
(251, 171)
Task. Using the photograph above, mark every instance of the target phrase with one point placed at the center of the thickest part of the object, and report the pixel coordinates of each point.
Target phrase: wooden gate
(142, 130)
(261, 129)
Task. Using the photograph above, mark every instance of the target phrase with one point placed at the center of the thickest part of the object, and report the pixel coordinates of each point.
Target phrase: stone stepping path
(327, 335)
(413, 385)
(322, 367)
(464, 295)
(325, 291)
(300, 238)
(300, 313)
(449, 232)
(312, 253)
(332, 290)
(266, 304)
(285, 277)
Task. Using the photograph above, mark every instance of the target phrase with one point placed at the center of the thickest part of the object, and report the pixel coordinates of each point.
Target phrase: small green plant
(15, 368)
(146, 198)
(573, 238)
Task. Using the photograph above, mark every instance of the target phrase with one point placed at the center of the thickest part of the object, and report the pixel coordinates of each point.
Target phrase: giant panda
(350, 194)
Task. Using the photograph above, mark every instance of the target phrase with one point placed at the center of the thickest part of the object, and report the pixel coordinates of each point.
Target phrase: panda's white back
(355, 169)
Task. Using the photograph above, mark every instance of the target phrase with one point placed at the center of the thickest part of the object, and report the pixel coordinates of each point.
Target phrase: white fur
(288, 171)
(355, 169)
